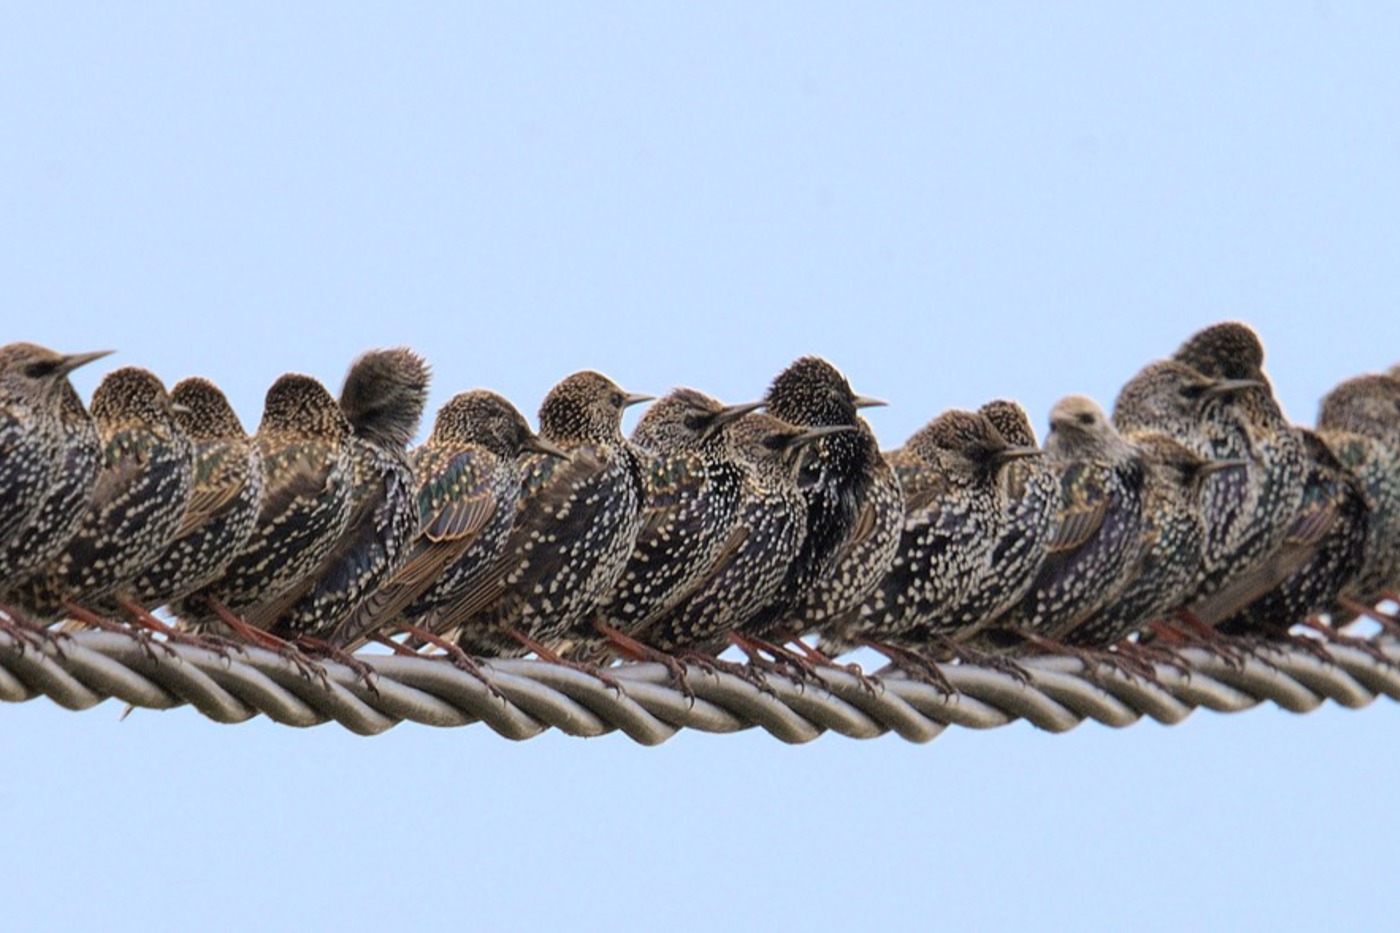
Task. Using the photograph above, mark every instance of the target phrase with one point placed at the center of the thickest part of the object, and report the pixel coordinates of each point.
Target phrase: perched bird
(1173, 542)
(575, 524)
(766, 539)
(956, 513)
(693, 485)
(1032, 490)
(1098, 538)
(1322, 554)
(304, 445)
(224, 499)
(1249, 424)
(136, 507)
(468, 482)
(37, 420)
(1360, 422)
(383, 398)
(854, 504)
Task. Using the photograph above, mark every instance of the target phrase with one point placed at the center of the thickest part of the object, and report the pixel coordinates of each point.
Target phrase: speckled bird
(468, 482)
(575, 523)
(224, 500)
(1173, 542)
(766, 539)
(1201, 413)
(1250, 425)
(855, 507)
(383, 397)
(73, 451)
(693, 488)
(136, 506)
(1098, 536)
(1360, 422)
(1322, 554)
(304, 444)
(1032, 490)
(956, 510)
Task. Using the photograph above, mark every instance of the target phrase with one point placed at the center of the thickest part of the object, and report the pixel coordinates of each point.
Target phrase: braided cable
(81, 670)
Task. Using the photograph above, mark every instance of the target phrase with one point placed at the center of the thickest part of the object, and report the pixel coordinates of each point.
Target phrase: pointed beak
(73, 360)
(1220, 466)
(1226, 386)
(636, 399)
(865, 401)
(1007, 454)
(812, 435)
(733, 413)
(541, 446)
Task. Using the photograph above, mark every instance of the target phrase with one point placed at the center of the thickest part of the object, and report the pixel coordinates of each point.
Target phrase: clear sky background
(952, 202)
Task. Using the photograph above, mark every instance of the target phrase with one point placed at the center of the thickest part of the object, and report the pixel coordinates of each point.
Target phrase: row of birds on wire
(1195, 514)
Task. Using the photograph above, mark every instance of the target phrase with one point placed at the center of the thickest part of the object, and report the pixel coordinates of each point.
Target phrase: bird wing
(670, 483)
(549, 486)
(220, 476)
(1084, 503)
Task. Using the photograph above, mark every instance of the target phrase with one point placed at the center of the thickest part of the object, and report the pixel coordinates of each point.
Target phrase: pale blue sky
(952, 202)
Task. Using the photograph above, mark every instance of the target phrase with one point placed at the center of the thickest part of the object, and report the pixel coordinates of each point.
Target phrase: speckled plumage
(41, 421)
(382, 398)
(468, 474)
(1173, 542)
(1247, 425)
(766, 539)
(575, 522)
(693, 487)
(304, 444)
(137, 504)
(1098, 536)
(224, 499)
(854, 503)
(1323, 552)
(955, 512)
(1360, 422)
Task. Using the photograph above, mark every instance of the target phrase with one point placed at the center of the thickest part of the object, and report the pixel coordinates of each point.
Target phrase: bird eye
(40, 369)
(617, 399)
(1084, 418)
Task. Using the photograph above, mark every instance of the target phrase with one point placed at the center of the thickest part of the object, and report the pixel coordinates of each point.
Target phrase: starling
(1248, 425)
(226, 494)
(468, 483)
(854, 504)
(693, 483)
(383, 399)
(304, 444)
(1098, 537)
(37, 421)
(955, 517)
(1032, 491)
(575, 522)
(766, 539)
(1173, 542)
(1360, 422)
(1323, 552)
(136, 506)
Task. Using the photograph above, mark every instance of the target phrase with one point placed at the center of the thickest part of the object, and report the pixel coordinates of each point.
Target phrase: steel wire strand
(81, 670)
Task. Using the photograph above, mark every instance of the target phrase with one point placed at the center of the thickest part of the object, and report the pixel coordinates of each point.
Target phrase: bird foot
(639, 651)
(1151, 656)
(1095, 660)
(744, 672)
(143, 619)
(1332, 636)
(988, 659)
(141, 636)
(914, 664)
(28, 634)
(256, 636)
(459, 658)
(779, 660)
(553, 657)
(1185, 633)
(367, 675)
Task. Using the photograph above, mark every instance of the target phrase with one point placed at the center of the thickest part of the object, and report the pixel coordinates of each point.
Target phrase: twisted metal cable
(81, 670)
